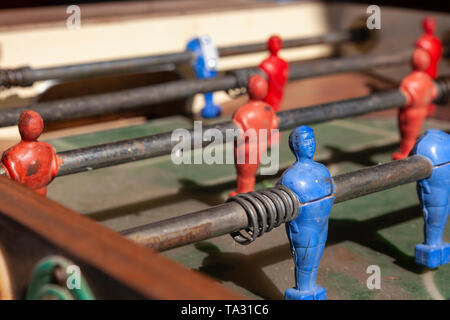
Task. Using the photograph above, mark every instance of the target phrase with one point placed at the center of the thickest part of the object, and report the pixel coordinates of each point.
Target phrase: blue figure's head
(302, 142)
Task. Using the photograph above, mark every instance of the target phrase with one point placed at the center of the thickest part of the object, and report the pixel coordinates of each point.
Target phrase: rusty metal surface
(119, 101)
(105, 155)
(225, 218)
(341, 109)
(177, 231)
(381, 177)
(34, 227)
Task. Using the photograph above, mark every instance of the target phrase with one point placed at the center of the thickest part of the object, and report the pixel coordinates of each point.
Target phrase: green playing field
(380, 229)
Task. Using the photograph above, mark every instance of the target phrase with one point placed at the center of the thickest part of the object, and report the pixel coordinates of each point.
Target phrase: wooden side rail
(33, 227)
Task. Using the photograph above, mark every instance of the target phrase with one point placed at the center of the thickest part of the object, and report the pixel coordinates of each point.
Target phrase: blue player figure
(434, 196)
(307, 233)
(205, 67)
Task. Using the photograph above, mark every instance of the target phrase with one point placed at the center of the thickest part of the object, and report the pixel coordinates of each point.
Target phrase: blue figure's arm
(426, 187)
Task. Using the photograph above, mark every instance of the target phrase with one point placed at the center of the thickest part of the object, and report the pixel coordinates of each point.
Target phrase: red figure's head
(274, 44)
(420, 59)
(429, 25)
(257, 87)
(30, 125)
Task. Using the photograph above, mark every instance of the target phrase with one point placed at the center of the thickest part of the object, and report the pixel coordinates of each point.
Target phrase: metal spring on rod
(266, 209)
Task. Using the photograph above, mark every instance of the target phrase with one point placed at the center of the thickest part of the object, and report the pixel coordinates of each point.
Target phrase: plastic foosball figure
(434, 196)
(251, 118)
(30, 162)
(307, 233)
(205, 67)
(420, 91)
(277, 71)
(431, 46)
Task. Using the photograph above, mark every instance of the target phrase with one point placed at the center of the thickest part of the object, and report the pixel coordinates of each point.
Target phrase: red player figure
(254, 115)
(432, 46)
(420, 90)
(277, 71)
(30, 162)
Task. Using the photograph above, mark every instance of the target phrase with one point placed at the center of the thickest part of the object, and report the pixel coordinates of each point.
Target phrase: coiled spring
(266, 209)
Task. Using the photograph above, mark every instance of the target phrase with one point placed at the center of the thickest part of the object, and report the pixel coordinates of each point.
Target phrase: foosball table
(304, 159)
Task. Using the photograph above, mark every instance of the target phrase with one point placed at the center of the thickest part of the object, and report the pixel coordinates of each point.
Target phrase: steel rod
(348, 64)
(231, 217)
(110, 154)
(189, 228)
(357, 35)
(340, 109)
(26, 76)
(107, 103)
(121, 66)
(381, 177)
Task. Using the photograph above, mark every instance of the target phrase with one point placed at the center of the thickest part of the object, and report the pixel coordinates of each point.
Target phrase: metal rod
(357, 35)
(121, 66)
(340, 109)
(107, 103)
(381, 177)
(110, 154)
(189, 228)
(231, 217)
(348, 64)
(26, 76)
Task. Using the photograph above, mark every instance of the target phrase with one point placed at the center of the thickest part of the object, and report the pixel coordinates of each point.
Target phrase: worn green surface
(380, 229)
